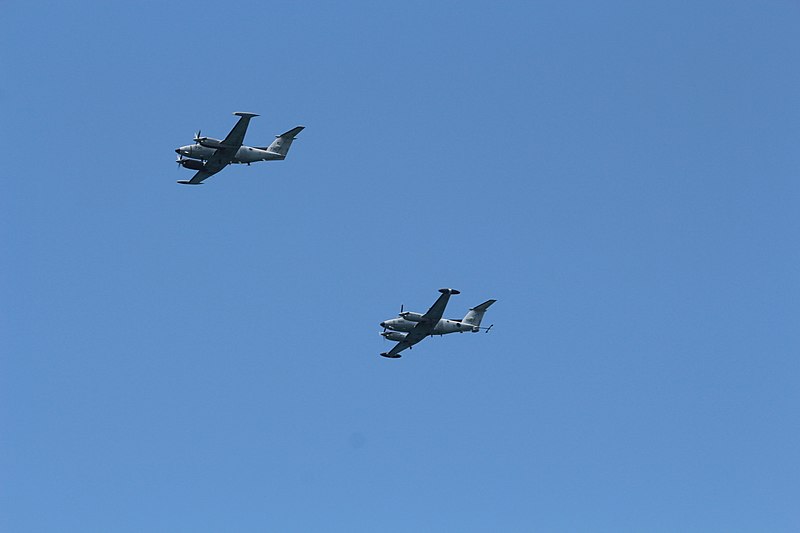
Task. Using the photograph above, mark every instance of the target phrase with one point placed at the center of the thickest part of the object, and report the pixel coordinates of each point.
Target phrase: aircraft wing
(198, 178)
(394, 353)
(218, 160)
(235, 138)
(434, 314)
(221, 158)
(420, 331)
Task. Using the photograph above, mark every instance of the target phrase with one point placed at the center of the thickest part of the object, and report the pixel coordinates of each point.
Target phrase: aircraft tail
(475, 315)
(283, 142)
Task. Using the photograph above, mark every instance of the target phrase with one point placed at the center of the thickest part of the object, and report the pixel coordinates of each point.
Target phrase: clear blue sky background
(621, 176)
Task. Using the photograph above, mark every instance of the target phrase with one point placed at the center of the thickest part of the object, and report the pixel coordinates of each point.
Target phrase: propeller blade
(490, 327)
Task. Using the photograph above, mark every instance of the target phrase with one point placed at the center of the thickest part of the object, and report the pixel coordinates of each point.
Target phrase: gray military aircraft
(208, 156)
(410, 328)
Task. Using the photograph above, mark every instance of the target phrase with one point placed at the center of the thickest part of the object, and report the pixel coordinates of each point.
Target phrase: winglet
(245, 114)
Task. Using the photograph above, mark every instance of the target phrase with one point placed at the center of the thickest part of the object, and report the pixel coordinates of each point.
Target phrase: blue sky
(620, 176)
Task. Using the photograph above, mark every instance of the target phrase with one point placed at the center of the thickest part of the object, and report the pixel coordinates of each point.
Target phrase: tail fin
(283, 141)
(475, 315)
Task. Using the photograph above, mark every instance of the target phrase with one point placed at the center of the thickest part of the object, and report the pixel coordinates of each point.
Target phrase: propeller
(490, 327)
(197, 137)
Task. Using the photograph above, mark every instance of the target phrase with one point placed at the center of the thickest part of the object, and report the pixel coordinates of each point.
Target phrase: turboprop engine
(191, 163)
(393, 335)
(411, 317)
(208, 142)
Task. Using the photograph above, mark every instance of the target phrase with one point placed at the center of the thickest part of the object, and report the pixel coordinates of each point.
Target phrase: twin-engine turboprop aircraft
(410, 328)
(208, 156)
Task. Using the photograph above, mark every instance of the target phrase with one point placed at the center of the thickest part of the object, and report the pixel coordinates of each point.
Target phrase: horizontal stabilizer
(484, 306)
(292, 133)
(187, 182)
(395, 356)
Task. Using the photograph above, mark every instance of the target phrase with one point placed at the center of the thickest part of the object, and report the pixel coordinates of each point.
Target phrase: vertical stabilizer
(283, 142)
(475, 315)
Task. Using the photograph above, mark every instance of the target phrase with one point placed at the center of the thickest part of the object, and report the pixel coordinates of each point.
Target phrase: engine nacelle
(193, 164)
(393, 335)
(411, 317)
(208, 142)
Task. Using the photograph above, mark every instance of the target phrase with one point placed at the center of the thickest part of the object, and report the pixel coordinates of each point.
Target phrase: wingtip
(449, 291)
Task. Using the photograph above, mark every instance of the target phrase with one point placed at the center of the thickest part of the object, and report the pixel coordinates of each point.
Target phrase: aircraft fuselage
(245, 154)
(443, 327)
